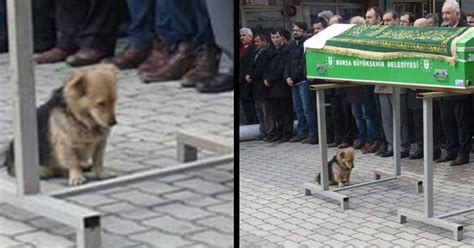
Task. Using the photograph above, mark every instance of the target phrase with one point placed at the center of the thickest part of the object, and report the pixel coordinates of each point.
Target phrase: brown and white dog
(340, 168)
(74, 124)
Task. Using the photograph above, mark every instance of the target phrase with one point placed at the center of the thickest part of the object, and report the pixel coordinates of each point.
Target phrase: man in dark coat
(455, 110)
(260, 91)
(279, 94)
(296, 78)
(247, 55)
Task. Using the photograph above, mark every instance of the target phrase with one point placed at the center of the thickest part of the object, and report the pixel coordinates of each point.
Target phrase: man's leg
(462, 110)
(301, 128)
(98, 32)
(221, 15)
(140, 33)
(448, 123)
(308, 112)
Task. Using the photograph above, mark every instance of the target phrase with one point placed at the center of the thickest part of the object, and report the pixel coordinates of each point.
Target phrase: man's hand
(266, 83)
(248, 79)
(289, 81)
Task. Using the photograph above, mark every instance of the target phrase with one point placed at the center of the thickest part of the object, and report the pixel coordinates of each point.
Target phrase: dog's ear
(341, 153)
(76, 81)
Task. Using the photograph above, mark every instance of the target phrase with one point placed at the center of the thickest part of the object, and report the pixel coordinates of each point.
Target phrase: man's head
(299, 30)
(357, 20)
(326, 14)
(246, 36)
(451, 13)
(277, 37)
(260, 41)
(318, 24)
(407, 19)
(470, 19)
(390, 18)
(421, 22)
(433, 20)
(335, 19)
(286, 36)
(373, 16)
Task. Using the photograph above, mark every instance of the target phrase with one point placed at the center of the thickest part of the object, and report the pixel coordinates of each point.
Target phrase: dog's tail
(7, 158)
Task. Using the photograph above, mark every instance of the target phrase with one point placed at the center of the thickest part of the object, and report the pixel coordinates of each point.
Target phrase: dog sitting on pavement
(74, 124)
(340, 168)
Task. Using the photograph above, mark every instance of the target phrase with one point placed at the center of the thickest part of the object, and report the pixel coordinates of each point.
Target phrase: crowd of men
(274, 90)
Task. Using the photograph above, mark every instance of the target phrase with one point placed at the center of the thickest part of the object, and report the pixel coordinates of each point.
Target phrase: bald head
(421, 22)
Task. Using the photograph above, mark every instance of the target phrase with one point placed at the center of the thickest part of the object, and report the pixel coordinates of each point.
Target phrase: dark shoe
(298, 138)
(404, 154)
(446, 158)
(85, 57)
(418, 154)
(261, 137)
(130, 58)
(333, 144)
(284, 139)
(382, 149)
(54, 55)
(205, 65)
(159, 56)
(366, 147)
(312, 140)
(273, 139)
(343, 145)
(387, 154)
(459, 161)
(358, 145)
(436, 154)
(216, 84)
(179, 63)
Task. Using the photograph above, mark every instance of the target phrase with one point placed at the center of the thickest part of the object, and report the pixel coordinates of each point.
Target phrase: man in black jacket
(455, 110)
(255, 77)
(281, 109)
(295, 78)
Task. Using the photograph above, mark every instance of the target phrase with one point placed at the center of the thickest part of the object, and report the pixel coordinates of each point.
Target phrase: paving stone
(181, 211)
(155, 188)
(11, 227)
(92, 200)
(16, 213)
(159, 239)
(203, 186)
(172, 225)
(214, 238)
(192, 198)
(138, 198)
(225, 209)
(120, 226)
(221, 223)
(44, 240)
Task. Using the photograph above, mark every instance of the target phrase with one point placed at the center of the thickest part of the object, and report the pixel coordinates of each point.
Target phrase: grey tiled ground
(274, 212)
(193, 209)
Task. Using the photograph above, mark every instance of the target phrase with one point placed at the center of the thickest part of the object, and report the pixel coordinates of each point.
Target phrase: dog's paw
(340, 185)
(76, 178)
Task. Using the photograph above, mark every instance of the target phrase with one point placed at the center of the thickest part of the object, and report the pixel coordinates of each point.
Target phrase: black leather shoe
(459, 161)
(446, 158)
(284, 139)
(387, 154)
(404, 154)
(216, 84)
(274, 139)
(418, 154)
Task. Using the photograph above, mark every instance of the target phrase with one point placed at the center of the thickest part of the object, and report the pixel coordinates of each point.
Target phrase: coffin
(427, 57)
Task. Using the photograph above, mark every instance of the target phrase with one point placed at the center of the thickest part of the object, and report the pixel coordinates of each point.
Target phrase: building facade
(281, 13)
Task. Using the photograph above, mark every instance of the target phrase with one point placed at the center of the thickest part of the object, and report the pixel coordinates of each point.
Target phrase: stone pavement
(274, 212)
(193, 209)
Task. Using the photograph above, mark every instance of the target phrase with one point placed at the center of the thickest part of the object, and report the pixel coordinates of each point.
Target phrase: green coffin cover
(375, 38)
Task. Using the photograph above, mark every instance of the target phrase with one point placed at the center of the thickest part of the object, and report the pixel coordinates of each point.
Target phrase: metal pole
(323, 149)
(428, 155)
(24, 121)
(396, 130)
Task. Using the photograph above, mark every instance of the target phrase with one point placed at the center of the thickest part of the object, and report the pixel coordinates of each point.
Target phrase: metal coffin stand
(323, 189)
(25, 192)
(427, 216)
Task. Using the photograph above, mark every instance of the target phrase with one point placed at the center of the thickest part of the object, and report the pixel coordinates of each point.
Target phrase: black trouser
(281, 115)
(249, 111)
(44, 31)
(417, 120)
(455, 121)
(87, 24)
(342, 120)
